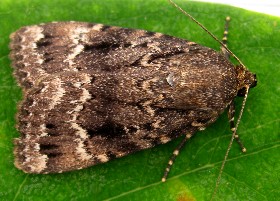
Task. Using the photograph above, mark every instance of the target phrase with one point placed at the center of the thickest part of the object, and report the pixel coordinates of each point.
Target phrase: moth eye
(241, 92)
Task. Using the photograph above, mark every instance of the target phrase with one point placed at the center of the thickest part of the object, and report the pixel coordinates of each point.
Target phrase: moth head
(246, 80)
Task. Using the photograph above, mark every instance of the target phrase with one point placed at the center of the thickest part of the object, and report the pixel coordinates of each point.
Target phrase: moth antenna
(230, 143)
(207, 31)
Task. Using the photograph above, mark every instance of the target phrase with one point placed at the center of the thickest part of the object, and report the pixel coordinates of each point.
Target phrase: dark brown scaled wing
(94, 92)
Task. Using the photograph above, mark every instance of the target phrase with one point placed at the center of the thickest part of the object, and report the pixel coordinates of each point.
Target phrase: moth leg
(175, 154)
(231, 113)
(225, 37)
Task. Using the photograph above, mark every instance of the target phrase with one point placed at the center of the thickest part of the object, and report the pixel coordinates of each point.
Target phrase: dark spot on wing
(108, 130)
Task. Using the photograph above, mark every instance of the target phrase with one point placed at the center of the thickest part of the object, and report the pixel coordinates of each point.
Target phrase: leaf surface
(253, 37)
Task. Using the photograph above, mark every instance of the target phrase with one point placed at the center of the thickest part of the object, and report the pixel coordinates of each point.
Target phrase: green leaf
(253, 37)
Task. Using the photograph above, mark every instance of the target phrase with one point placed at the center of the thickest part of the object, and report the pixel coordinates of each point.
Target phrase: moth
(92, 93)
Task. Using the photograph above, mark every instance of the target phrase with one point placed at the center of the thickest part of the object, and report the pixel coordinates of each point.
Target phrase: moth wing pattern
(94, 92)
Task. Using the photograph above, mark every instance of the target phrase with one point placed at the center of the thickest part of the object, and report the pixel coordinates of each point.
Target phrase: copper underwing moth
(94, 92)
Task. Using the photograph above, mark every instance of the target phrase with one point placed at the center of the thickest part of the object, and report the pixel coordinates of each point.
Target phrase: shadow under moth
(93, 93)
